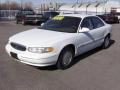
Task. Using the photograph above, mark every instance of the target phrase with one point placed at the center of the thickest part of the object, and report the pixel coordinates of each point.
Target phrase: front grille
(18, 46)
(30, 18)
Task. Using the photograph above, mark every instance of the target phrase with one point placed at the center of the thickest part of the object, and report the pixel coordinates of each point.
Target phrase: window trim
(77, 29)
(84, 19)
(99, 19)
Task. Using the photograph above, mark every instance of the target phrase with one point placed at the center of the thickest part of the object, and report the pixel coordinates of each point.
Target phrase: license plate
(14, 55)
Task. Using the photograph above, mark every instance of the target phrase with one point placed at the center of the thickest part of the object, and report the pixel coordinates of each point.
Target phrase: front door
(85, 39)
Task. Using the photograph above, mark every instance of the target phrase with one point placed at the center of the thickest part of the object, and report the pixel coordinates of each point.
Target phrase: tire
(106, 42)
(23, 22)
(65, 59)
(17, 21)
(119, 20)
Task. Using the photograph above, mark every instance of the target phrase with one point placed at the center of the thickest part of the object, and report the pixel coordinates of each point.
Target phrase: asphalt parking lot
(96, 70)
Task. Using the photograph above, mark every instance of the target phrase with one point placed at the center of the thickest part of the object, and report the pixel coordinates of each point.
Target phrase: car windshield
(62, 24)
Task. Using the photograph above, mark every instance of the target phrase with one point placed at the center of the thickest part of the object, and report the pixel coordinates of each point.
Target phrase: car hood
(39, 37)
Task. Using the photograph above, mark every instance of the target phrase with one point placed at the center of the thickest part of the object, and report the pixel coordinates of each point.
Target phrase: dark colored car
(50, 14)
(118, 15)
(109, 18)
(28, 16)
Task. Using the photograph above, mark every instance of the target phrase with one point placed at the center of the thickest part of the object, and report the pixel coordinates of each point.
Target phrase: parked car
(28, 16)
(109, 18)
(49, 14)
(59, 40)
(118, 15)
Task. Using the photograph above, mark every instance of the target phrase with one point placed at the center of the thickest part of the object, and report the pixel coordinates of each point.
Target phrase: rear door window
(97, 23)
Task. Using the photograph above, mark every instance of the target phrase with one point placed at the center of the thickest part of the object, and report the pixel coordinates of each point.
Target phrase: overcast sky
(38, 2)
(46, 1)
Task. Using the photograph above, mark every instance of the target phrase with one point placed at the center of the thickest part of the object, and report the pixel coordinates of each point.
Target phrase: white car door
(85, 39)
(98, 31)
(94, 37)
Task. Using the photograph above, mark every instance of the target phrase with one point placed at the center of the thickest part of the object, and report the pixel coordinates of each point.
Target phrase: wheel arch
(72, 46)
(108, 34)
(108, 31)
(68, 46)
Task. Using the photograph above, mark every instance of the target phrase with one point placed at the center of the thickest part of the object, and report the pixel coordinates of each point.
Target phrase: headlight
(40, 49)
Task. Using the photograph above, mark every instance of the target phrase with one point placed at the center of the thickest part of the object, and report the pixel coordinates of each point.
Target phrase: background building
(91, 7)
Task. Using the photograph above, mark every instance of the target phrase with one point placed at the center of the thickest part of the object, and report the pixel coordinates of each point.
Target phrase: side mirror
(84, 29)
(42, 24)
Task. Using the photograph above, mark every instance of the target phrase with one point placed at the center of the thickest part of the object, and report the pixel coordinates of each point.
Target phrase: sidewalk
(3, 23)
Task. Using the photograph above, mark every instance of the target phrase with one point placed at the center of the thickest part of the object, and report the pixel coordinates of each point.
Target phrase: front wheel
(106, 42)
(119, 20)
(65, 58)
(17, 21)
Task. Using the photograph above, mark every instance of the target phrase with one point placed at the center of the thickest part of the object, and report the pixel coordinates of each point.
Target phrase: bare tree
(28, 5)
(5, 5)
(9, 5)
(14, 5)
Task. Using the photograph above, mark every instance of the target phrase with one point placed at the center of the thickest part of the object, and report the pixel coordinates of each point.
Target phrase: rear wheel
(17, 21)
(23, 22)
(106, 43)
(65, 58)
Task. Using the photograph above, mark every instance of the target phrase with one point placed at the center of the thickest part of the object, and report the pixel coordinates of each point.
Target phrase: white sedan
(59, 40)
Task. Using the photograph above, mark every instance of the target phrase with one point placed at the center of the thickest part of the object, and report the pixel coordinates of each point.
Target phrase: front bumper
(33, 58)
(34, 21)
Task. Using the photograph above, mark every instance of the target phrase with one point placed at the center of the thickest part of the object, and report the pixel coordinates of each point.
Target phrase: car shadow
(48, 68)
(89, 53)
(78, 58)
(33, 24)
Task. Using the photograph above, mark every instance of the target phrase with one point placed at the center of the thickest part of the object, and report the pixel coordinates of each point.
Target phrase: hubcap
(67, 58)
(23, 22)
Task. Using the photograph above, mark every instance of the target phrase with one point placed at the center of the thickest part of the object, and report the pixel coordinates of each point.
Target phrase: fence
(8, 14)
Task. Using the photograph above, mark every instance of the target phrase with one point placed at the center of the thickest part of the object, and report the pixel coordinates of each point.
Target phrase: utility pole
(0, 8)
(75, 5)
(77, 1)
(9, 8)
(21, 4)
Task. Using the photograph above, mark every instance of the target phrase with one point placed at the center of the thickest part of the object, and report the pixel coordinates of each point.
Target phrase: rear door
(98, 31)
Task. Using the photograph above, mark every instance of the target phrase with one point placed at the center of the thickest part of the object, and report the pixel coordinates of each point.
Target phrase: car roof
(77, 15)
